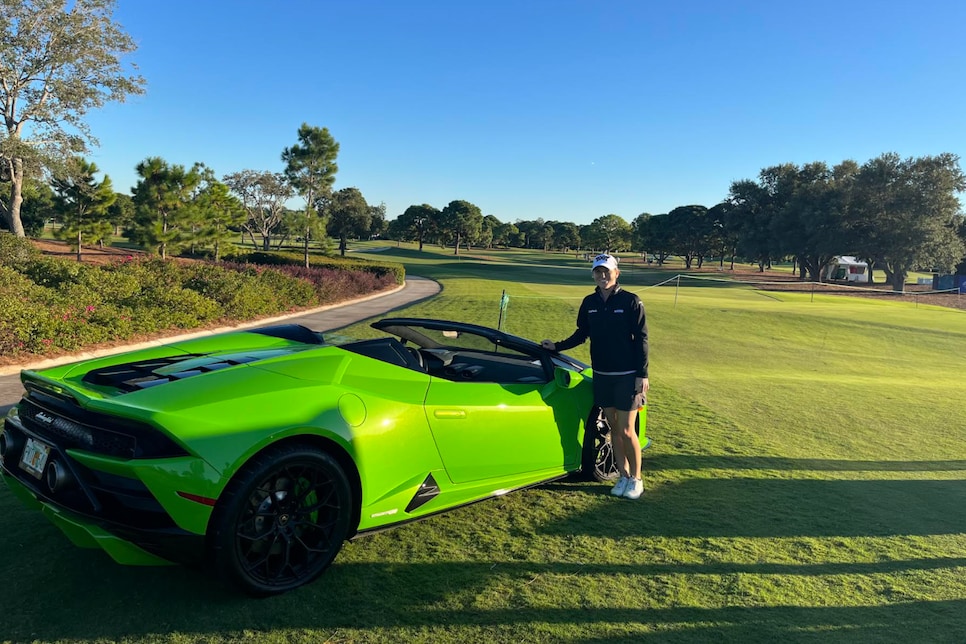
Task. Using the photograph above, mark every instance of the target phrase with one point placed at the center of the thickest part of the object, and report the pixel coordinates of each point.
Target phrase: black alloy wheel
(598, 452)
(282, 520)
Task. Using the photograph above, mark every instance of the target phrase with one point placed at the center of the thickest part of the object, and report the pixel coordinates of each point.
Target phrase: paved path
(323, 319)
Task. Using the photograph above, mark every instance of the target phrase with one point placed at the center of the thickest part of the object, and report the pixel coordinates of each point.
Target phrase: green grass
(807, 483)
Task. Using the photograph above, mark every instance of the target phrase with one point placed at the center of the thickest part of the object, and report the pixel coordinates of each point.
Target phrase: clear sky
(556, 109)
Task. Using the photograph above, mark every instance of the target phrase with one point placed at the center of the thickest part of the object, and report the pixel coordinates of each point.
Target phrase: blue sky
(561, 110)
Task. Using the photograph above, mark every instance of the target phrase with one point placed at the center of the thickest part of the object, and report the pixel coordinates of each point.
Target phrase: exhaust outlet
(58, 477)
(8, 444)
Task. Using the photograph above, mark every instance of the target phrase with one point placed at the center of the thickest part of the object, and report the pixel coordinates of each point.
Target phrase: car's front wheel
(281, 520)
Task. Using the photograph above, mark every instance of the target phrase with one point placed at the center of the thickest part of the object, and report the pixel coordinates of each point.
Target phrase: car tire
(281, 520)
(598, 452)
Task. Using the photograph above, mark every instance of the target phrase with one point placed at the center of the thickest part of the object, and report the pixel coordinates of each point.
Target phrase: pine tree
(82, 204)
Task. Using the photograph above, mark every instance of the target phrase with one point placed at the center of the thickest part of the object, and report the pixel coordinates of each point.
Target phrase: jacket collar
(617, 289)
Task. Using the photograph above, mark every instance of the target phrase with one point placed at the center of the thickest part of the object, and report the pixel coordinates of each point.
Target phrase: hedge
(379, 269)
(53, 305)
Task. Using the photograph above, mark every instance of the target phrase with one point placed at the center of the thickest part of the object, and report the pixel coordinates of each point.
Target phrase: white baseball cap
(605, 260)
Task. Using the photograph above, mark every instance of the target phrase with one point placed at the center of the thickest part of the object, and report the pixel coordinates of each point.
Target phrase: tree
(38, 206)
(536, 233)
(436, 232)
(413, 224)
(397, 231)
(82, 204)
(794, 192)
(640, 233)
(309, 227)
(810, 220)
(487, 228)
(691, 232)
(220, 213)
(377, 221)
(531, 230)
(566, 235)
(349, 216)
(725, 239)
(263, 195)
(608, 233)
(660, 237)
(163, 204)
(506, 234)
(163, 217)
(310, 168)
(462, 220)
(910, 213)
(752, 211)
(56, 64)
(121, 212)
(546, 236)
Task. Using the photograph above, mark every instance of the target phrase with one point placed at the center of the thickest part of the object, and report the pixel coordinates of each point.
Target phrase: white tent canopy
(845, 268)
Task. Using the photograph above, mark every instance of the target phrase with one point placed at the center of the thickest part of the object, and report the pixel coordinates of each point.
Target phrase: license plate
(34, 457)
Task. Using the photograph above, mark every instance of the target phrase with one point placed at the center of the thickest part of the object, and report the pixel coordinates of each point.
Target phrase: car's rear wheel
(598, 451)
(282, 520)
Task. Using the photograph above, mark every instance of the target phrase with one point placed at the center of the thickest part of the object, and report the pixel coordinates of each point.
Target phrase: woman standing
(615, 322)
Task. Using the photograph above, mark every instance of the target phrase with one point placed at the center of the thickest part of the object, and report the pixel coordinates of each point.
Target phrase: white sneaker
(634, 489)
(621, 486)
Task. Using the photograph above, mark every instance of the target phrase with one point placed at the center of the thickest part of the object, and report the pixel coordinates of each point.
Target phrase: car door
(487, 430)
(511, 418)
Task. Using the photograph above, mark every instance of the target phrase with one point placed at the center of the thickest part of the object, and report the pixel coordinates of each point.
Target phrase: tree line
(897, 214)
(174, 208)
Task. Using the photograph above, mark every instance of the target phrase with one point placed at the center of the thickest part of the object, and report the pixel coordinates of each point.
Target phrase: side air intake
(427, 491)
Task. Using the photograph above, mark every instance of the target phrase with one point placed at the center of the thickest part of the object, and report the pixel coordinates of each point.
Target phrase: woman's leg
(622, 430)
(614, 418)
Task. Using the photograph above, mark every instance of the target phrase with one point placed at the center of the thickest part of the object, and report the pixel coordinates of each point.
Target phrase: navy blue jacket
(617, 330)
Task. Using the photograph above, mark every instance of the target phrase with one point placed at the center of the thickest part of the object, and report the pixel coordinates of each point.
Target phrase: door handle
(449, 414)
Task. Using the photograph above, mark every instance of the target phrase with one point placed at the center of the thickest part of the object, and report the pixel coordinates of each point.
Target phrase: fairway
(806, 482)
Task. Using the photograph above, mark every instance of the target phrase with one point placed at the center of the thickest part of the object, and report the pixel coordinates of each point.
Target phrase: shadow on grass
(772, 507)
(114, 603)
(58, 592)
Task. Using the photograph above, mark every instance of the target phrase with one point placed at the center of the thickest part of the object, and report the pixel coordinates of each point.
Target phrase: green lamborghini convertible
(259, 452)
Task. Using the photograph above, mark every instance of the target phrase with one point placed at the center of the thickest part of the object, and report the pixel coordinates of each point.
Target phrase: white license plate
(34, 457)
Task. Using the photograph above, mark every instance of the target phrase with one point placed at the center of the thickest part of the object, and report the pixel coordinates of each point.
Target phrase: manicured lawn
(807, 482)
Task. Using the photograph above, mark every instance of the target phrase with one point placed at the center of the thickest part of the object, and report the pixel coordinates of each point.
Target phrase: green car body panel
(413, 440)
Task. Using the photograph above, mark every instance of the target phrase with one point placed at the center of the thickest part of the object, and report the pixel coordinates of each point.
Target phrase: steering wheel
(418, 356)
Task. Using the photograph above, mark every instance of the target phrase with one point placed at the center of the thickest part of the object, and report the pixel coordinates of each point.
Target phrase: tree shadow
(105, 601)
(123, 604)
(773, 507)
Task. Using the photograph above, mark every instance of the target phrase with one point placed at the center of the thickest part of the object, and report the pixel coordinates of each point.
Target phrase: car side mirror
(565, 378)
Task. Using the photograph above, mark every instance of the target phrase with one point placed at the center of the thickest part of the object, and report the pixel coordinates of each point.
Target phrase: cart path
(327, 318)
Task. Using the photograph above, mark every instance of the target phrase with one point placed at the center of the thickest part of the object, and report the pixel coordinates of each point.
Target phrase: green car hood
(192, 387)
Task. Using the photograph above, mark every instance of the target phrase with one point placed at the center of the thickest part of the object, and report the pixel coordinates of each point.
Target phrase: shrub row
(351, 265)
(57, 305)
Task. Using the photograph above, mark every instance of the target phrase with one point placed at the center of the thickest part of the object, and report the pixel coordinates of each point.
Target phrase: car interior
(454, 364)
(414, 350)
